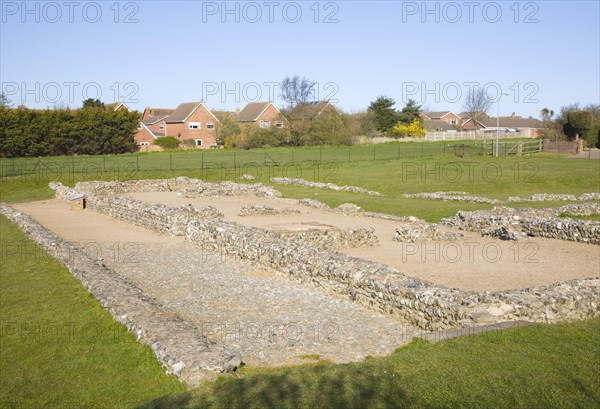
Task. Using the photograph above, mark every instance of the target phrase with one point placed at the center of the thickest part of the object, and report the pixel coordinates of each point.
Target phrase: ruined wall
(380, 287)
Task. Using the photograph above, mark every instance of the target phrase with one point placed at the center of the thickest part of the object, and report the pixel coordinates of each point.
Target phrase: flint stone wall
(451, 196)
(322, 185)
(512, 223)
(380, 287)
(179, 347)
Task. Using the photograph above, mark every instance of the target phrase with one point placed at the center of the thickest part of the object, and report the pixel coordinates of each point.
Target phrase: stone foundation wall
(512, 223)
(179, 347)
(380, 287)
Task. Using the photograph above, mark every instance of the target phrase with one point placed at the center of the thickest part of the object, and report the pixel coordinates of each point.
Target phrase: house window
(161, 127)
(198, 142)
(210, 125)
(144, 143)
(278, 124)
(194, 125)
(265, 124)
(453, 121)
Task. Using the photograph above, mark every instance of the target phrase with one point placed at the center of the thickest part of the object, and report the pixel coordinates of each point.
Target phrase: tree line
(90, 130)
(573, 122)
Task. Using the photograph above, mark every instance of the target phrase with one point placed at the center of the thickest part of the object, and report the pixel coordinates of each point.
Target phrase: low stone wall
(414, 232)
(254, 209)
(451, 196)
(545, 197)
(509, 223)
(580, 209)
(321, 185)
(186, 187)
(380, 287)
(179, 347)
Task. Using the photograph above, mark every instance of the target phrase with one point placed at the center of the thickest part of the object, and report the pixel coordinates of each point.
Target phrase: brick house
(525, 127)
(152, 125)
(470, 125)
(192, 120)
(144, 136)
(311, 110)
(445, 116)
(262, 115)
(438, 126)
(189, 121)
(154, 119)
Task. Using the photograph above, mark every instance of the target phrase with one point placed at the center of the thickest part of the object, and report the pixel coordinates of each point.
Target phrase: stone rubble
(348, 208)
(452, 196)
(321, 185)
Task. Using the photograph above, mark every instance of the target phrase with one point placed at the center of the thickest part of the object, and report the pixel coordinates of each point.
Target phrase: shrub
(189, 143)
(415, 129)
(167, 142)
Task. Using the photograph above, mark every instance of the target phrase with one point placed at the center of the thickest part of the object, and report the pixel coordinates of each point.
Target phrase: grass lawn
(486, 176)
(59, 347)
(544, 366)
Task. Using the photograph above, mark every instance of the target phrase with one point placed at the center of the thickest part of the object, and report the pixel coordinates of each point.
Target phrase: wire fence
(244, 161)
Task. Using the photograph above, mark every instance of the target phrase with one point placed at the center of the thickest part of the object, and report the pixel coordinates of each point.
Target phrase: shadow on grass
(317, 385)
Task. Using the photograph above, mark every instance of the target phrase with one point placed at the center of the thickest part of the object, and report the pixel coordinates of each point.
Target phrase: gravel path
(269, 318)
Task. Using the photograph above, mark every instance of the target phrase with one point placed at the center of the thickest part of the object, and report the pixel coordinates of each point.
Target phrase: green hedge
(167, 142)
(89, 131)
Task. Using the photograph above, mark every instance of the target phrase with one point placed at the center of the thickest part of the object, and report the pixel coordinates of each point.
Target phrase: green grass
(592, 217)
(544, 366)
(59, 347)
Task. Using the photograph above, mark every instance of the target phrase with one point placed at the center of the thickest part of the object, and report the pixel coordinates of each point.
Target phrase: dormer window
(194, 125)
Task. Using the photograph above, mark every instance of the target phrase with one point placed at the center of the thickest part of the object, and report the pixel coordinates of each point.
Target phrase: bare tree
(477, 102)
(296, 90)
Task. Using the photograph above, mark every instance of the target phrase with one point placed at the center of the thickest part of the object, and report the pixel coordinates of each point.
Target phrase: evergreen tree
(384, 114)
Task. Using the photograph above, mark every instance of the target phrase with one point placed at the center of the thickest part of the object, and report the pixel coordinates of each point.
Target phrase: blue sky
(158, 53)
